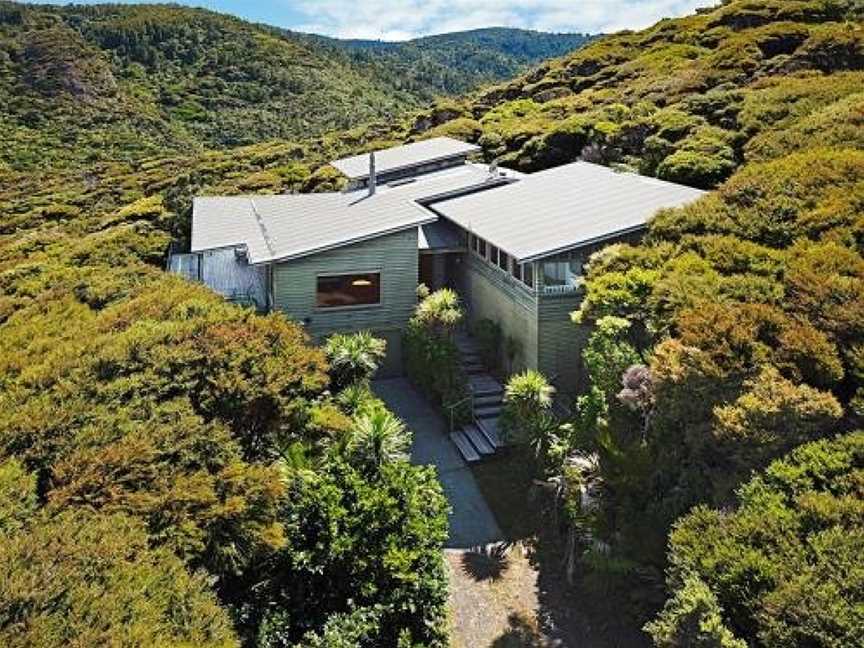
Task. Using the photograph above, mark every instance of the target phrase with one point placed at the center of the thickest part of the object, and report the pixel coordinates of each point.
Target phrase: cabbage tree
(354, 357)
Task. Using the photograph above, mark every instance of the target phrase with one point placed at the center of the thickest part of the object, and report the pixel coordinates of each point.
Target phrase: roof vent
(373, 180)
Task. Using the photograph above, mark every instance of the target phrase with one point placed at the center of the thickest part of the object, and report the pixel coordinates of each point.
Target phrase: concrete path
(472, 524)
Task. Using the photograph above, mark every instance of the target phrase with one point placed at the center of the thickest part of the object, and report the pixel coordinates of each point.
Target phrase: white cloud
(402, 19)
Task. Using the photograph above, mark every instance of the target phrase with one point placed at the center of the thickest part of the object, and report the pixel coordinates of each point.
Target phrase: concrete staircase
(480, 438)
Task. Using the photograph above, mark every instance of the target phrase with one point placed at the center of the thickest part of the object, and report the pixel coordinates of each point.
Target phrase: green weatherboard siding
(393, 255)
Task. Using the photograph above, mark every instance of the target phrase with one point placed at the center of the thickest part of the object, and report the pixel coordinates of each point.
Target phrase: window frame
(527, 274)
(503, 261)
(353, 273)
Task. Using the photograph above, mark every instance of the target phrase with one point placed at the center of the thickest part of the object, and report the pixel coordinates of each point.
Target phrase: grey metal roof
(290, 226)
(562, 208)
(402, 157)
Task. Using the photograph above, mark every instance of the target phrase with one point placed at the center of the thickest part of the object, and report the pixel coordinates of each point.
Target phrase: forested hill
(459, 62)
(124, 81)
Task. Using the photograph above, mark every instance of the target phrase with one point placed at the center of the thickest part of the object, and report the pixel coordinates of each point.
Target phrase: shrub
(697, 169)
(358, 540)
(784, 565)
(79, 578)
(526, 416)
(353, 357)
(378, 438)
(432, 360)
(692, 618)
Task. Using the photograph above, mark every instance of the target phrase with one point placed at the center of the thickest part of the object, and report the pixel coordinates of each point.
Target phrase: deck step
(485, 401)
(484, 385)
(491, 429)
(467, 347)
(478, 439)
(491, 411)
(464, 446)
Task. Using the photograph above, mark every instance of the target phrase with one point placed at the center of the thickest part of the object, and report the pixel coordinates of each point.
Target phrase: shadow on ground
(486, 563)
(521, 633)
(589, 613)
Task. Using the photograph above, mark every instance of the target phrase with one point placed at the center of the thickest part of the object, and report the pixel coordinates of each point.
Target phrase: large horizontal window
(562, 272)
(335, 291)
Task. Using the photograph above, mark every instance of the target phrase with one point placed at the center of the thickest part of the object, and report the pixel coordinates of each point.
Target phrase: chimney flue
(373, 181)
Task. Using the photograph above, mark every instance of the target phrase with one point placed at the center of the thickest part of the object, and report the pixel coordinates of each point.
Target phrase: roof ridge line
(264, 233)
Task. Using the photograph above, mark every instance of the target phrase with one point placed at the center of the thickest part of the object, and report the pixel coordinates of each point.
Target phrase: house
(512, 244)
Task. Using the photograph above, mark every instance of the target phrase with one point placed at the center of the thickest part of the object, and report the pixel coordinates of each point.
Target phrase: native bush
(353, 358)
(432, 360)
(692, 617)
(782, 565)
(526, 416)
(355, 542)
(81, 578)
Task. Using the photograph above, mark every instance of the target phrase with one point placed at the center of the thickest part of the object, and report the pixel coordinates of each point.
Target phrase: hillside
(688, 99)
(187, 457)
(458, 63)
(124, 82)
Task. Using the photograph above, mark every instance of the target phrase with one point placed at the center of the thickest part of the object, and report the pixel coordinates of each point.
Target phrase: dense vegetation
(732, 334)
(431, 356)
(164, 442)
(459, 62)
(178, 470)
(785, 567)
(104, 82)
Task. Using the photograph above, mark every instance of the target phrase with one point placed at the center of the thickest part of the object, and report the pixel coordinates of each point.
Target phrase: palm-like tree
(354, 357)
(379, 438)
(441, 311)
(527, 404)
(529, 392)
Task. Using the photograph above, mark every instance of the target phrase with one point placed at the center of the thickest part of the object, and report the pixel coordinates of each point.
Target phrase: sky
(404, 19)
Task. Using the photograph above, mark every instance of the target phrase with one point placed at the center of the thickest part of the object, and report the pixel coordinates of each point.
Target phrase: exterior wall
(492, 294)
(394, 256)
(226, 272)
(561, 341)
(232, 277)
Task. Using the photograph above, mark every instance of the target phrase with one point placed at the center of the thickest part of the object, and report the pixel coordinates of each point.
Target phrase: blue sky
(401, 19)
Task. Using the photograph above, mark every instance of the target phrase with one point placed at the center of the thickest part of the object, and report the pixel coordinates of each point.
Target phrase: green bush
(353, 358)
(432, 360)
(696, 169)
(526, 416)
(355, 542)
(784, 565)
(79, 578)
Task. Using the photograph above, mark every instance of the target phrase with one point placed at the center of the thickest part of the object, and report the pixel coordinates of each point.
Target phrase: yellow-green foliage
(778, 72)
(81, 579)
(783, 566)
(161, 424)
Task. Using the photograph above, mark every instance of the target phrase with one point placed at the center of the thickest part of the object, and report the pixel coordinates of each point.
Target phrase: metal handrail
(452, 408)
